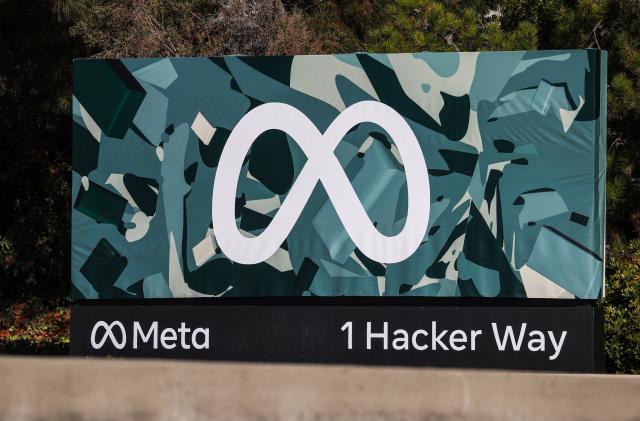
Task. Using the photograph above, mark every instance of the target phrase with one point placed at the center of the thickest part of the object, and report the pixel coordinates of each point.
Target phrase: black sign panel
(511, 334)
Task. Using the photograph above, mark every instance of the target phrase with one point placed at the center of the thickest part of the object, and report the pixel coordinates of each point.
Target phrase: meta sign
(424, 209)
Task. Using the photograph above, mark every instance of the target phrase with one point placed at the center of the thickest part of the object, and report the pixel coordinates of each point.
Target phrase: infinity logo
(108, 333)
(323, 166)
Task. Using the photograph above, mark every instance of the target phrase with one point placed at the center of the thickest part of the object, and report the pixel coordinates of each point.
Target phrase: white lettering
(474, 333)
(437, 339)
(205, 343)
(414, 339)
(137, 330)
(401, 341)
(183, 330)
(455, 337)
(382, 335)
(166, 336)
(508, 335)
(557, 346)
(537, 343)
(348, 326)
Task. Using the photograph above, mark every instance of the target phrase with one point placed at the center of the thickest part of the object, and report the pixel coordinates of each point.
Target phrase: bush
(35, 327)
(622, 309)
(151, 28)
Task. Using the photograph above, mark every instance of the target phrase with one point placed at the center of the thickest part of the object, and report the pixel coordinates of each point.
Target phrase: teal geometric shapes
(155, 286)
(101, 205)
(460, 162)
(503, 146)
(429, 290)
(161, 73)
(541, 100)
(486, 280)
(454, 116)
(482, 248)
(529, 149)
(445, 65)
(213, 277)
(305, 275)
(528, 62)
(577, 269)
(85, 150)
(514, 103)
(103, 267)
(151, 117)
(539, 205)
(482, 229)
(278, 69)
(110, 94)
(263, 279)
(143, 191)
(348, 279)
(492, 72)
(549, 97)
(210, 153)
(276, 175)
(448, 288)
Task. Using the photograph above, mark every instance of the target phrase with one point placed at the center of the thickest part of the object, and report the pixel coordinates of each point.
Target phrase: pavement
(116, 389)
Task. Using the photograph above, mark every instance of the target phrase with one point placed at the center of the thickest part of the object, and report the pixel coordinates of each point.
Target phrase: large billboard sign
(425, 174)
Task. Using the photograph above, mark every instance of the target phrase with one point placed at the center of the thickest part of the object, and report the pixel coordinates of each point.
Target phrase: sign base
(555, 335)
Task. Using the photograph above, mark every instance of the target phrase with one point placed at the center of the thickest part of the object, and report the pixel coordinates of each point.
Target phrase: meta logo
(168, 338)
(322, 165)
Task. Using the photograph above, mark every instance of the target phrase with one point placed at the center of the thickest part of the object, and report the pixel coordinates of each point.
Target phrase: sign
(432, 176)
(436, 332)
(425, 174)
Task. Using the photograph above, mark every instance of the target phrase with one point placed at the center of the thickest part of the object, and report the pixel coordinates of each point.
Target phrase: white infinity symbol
(108, 333)
(323, 166)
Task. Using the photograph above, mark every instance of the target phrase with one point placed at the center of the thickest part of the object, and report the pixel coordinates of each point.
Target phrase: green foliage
(341, 29)
(627, 102)
(415, 25)
(35, 327)
(622, 309)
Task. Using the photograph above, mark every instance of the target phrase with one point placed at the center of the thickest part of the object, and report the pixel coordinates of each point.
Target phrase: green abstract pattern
(513, 141)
